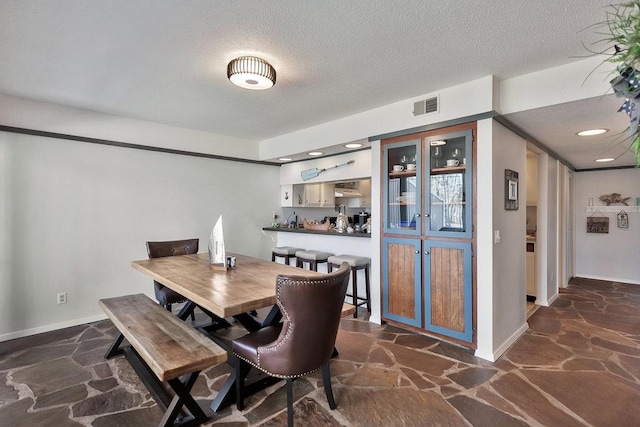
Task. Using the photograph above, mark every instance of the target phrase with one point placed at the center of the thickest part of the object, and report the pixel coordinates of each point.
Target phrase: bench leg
(183, 398)
(115, 349)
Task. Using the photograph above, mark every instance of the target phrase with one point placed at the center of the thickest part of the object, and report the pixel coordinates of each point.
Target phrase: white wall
(464, 100)
(509, 262)
(361, 168)
(42, 116)
(74, 215)
(484, 240)
(613, 256)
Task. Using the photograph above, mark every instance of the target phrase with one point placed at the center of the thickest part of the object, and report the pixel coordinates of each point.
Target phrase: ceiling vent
(427, 106)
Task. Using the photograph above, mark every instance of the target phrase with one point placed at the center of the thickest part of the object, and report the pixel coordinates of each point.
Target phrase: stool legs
(313, 265)
(354, 297)
(354, 283)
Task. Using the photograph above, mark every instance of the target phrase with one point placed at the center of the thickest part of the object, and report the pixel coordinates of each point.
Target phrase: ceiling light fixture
(353, 145)
(250, 72)
(437, 143)
(592, 132)
(607, 159)
(315, 153)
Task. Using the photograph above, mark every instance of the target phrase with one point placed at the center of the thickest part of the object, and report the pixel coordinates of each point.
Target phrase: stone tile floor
(578, 364)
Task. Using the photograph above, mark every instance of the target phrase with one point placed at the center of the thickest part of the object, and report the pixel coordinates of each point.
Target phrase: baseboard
(548, 302)
(608, 279)
(492, 357)
(52, 327)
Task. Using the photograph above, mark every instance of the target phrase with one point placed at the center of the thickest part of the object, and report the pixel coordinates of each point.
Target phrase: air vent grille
(427, 106)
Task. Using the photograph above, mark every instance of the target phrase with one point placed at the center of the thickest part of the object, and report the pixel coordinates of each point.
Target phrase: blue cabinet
(427, 232)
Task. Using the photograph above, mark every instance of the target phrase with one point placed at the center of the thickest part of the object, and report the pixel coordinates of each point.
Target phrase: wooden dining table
(232, 293)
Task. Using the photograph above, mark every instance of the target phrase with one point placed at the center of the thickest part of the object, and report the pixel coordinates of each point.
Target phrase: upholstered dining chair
(165, 296)
(304, 341)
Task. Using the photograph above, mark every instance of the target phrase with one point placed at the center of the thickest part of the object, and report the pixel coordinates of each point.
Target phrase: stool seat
(356, 263)
(353, 261)
(312, 257)
(286, 252)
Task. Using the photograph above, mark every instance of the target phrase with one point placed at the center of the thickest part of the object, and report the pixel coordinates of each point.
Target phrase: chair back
(172, 247)
(311, 307)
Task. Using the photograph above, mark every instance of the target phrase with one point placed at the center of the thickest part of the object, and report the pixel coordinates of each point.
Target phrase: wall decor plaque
(623, 219)
(597, 224)
(511, 190)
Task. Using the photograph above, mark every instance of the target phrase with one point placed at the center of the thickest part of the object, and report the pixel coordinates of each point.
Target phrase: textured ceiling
(165, 61)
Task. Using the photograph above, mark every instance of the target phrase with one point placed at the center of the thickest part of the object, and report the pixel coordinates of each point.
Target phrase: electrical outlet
(275, 215)
(62, 298)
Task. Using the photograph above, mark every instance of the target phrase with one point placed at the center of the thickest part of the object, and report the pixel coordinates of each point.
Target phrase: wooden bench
(162, 348)
(347, 309)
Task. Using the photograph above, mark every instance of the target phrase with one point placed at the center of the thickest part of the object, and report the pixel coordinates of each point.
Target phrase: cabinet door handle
(426, 252)
(417, 215)
(417, 251)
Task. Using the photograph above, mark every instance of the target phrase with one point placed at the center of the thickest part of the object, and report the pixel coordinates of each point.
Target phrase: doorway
(531, 230)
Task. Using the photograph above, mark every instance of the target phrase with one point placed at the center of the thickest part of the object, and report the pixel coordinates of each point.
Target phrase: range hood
(347, 192)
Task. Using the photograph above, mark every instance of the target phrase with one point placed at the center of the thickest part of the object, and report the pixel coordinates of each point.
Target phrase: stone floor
(579, 364)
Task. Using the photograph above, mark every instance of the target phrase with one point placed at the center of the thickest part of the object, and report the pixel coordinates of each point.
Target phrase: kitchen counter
(320, 232)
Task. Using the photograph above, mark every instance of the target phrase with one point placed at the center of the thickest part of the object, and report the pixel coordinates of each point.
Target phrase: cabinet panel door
(402, 297)
(448, 180)
(402, 188)
(447, 278)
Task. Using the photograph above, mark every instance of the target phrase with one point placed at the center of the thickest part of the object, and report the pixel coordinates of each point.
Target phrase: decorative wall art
(598, 224)
(612, 198)
(623, 219)
(511, 191)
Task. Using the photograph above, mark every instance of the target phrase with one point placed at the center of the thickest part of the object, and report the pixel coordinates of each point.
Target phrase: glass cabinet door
(402, 196)
(448, 180)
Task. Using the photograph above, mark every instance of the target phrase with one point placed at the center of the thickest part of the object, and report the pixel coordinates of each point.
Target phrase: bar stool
(312, 257)
(286, 252)
(356, 263)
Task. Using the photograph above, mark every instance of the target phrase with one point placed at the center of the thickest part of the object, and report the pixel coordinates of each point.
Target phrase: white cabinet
(286, 196)
(531, 273)
(319, 194)
(299, 196)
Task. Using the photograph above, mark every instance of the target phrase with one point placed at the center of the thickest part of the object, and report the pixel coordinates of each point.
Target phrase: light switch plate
(496, 237)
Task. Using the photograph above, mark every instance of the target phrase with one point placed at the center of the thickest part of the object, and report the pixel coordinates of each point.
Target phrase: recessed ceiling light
(437, 142)
(592, 132)
(315, 153)
(607, 159)
(353, 145)
(285, 159)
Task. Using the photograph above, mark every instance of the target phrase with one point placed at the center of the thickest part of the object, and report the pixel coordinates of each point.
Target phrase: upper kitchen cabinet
(402, 187)
(319, 194)
(448, 178)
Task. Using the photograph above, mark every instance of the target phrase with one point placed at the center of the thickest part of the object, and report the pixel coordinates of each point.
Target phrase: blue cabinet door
(448, 185)
(401, 283)
(448, 299)
(401, 199)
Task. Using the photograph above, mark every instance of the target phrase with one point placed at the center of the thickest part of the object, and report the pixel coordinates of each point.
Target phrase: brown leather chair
(311, 307)
(165, 296)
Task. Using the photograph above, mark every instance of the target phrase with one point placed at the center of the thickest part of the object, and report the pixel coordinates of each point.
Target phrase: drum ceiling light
(251, 72)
